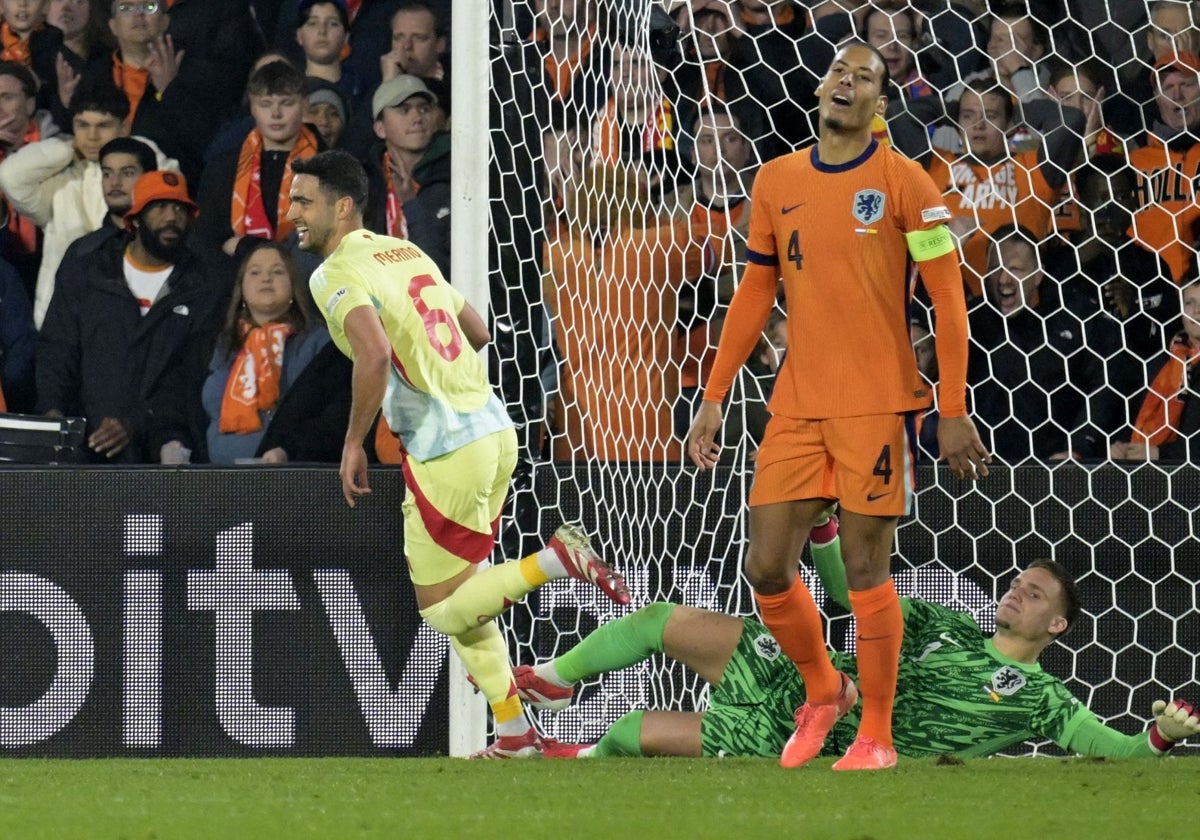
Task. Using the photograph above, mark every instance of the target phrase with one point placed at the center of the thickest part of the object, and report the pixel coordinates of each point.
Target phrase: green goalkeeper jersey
(957, 694)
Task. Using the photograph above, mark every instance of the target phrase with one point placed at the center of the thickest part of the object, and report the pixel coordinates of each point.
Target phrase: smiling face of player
(313, 213)
(851, 94)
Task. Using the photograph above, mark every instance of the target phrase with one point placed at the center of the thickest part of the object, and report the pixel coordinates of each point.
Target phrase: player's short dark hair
(130, 146)
(885, 81)
(24, 77)
(1070, 591)
(276, 78)
(338, 173)
(102, 97)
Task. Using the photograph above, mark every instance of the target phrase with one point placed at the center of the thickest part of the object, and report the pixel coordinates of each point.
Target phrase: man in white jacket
(56, 183)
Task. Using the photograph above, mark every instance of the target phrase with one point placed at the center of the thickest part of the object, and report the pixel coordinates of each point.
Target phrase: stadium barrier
(248, 611)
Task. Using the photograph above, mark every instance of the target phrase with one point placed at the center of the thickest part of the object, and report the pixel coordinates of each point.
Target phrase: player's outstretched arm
(1173, 722)
(702, 445)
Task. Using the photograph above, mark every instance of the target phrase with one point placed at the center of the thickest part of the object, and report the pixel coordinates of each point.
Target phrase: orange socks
(880, 632)
(795, 623)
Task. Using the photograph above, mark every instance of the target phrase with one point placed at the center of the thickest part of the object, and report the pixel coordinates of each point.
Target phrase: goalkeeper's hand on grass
(1173, 722)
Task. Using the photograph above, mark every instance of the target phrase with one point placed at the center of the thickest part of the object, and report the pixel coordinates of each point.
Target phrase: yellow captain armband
(929, 244)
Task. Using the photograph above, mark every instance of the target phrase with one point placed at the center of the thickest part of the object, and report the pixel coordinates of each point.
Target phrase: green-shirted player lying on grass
(959, 691)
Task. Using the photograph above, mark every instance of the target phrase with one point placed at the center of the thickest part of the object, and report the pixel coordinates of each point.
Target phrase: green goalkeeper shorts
(750, 712)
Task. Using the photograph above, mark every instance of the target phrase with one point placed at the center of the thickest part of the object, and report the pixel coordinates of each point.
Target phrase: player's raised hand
(354, 473)
(1173, 722)
(702, 446)
(961, 448)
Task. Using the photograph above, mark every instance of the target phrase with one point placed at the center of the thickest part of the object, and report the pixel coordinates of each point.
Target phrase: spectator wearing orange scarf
(253, 181)
(269, 336)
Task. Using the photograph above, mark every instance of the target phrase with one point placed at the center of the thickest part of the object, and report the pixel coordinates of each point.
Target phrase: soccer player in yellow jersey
(412, 339)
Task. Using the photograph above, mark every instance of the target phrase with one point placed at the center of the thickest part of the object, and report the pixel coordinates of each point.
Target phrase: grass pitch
(629, 799)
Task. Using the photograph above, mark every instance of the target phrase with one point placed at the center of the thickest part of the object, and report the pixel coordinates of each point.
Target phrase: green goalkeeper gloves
(1173, 722)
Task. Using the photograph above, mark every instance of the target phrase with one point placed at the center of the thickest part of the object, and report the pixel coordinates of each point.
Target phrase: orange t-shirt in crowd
(837, 236)
(1011, 192)
(1169, 210)
(616, 308)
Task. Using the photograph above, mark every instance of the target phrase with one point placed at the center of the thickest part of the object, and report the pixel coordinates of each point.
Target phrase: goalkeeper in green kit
(959, 691)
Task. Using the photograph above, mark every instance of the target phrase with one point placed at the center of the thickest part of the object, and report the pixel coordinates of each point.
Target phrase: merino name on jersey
(438, 395)
(395, 255)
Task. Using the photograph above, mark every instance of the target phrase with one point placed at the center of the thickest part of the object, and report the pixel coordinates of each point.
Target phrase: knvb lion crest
(868, 206)
(1008, 681)
(766, 647)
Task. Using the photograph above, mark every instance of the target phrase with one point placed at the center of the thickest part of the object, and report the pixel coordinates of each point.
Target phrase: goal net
(625, 137)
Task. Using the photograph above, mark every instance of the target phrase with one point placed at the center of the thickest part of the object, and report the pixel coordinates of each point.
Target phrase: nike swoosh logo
(946, 637)
(787, 210)
(876, 496)
(871, 638)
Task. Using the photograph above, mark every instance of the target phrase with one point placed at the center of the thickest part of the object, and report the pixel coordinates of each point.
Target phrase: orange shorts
(865, 463)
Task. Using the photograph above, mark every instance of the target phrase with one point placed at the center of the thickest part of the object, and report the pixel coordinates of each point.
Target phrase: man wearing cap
(325, 109)
(122, 161)
(1169, 159)
(125, 329)
(409, 169)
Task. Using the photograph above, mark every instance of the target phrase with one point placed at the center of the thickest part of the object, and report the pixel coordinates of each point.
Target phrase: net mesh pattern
(625, 141)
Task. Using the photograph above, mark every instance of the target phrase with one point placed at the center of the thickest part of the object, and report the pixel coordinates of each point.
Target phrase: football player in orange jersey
(840, 223)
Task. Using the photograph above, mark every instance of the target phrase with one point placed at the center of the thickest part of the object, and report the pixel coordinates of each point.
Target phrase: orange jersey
(1011, 192)
(616, 308)
(837, 236)
(1169, 210)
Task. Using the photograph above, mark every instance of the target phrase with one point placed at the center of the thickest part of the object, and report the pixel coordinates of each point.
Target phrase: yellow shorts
(866, 463)
(452, 508)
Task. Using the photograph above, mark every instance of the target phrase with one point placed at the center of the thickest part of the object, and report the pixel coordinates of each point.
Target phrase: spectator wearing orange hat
(125, 329)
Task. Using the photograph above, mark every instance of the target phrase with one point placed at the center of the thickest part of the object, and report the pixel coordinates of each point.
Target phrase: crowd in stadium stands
(150, 280)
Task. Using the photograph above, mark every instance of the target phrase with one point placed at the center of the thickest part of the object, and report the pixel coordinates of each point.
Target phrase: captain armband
(930, 244)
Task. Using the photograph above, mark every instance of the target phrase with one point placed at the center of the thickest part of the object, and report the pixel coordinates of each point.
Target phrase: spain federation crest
(868, 206)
